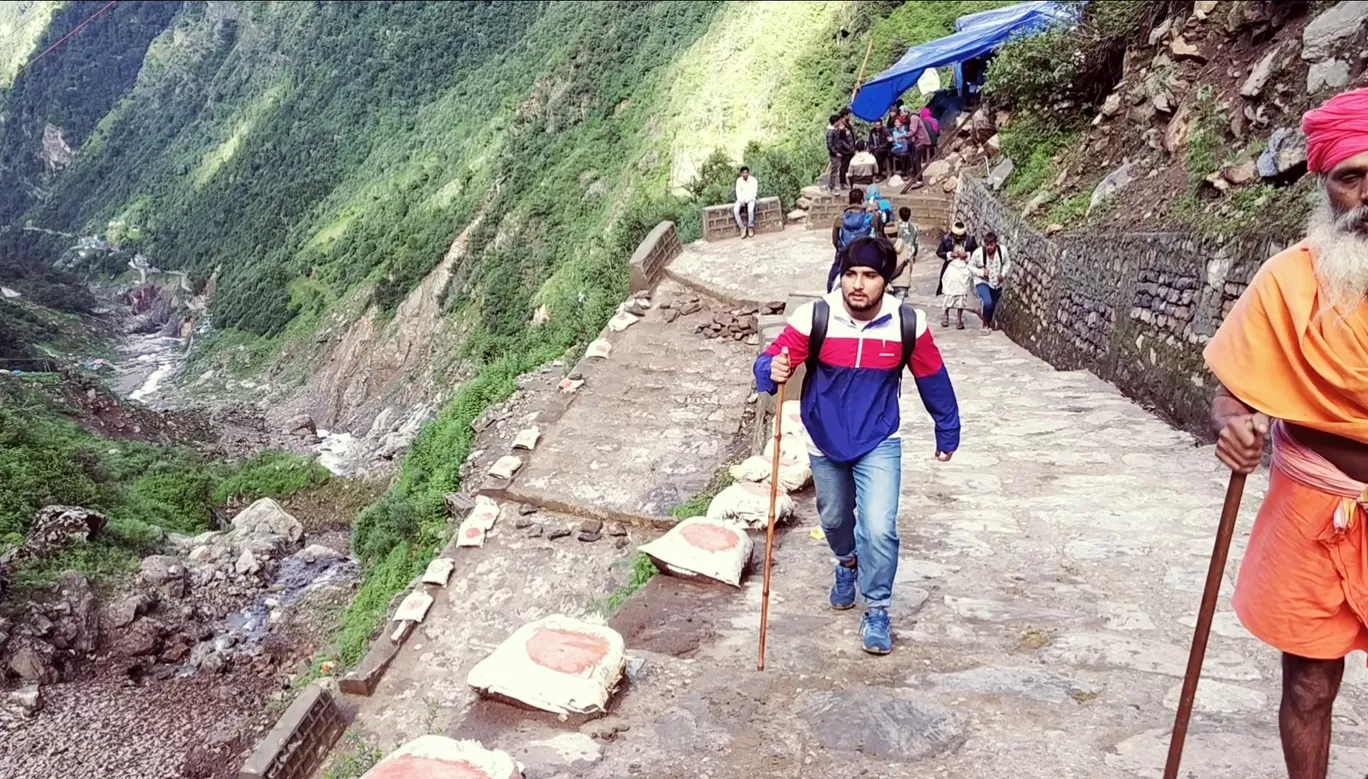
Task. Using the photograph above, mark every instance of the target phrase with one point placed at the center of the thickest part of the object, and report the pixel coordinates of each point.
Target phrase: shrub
(1080, 63)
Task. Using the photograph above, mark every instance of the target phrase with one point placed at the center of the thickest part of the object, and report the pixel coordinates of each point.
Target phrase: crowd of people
(897, 147)
(1288, 361)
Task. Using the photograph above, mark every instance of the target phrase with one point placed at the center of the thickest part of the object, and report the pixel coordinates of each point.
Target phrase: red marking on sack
(756, 488)
(710, 538)
(566, 651)
(415, 767)
(473, 532)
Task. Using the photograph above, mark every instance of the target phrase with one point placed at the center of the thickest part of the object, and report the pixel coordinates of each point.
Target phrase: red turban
(1336, 131)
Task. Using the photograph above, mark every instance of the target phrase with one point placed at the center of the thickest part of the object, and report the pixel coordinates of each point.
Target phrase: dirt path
(1048, 581)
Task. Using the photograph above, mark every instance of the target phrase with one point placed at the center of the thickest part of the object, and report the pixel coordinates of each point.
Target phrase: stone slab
(651, 426)
(751, 271)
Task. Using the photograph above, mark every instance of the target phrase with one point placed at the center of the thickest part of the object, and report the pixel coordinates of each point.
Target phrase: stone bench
(652, 255)
(718, 222)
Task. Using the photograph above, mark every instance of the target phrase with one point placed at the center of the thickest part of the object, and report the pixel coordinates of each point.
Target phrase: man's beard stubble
(1339, 248)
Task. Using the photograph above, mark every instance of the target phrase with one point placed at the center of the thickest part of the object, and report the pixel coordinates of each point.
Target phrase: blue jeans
(989, 298)
(870, 487)
(750, 213)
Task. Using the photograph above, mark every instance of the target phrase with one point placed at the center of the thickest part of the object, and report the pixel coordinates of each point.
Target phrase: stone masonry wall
(1135, 308)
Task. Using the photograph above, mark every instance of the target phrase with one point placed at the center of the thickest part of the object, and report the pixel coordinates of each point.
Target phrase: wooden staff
(1203, 630)
(860, 79)
(769, 535)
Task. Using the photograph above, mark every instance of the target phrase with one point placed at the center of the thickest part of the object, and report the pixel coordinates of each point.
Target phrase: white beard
(1339, 247)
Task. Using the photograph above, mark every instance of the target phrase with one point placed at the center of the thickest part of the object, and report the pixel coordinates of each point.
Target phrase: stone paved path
(1043, 611)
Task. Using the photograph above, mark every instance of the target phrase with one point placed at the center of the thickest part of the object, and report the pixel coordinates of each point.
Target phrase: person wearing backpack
(858, 220)
(855, 342)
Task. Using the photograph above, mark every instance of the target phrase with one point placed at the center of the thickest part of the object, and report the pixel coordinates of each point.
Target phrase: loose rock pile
(207, 607)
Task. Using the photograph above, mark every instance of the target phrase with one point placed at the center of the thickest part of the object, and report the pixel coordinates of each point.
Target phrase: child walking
(956, 285)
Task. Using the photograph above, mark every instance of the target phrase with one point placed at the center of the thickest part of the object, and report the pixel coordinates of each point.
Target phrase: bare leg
(1309, 690)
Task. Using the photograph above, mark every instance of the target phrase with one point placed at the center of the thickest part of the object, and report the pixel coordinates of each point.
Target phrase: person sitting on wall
(747, 190)
(864, 167)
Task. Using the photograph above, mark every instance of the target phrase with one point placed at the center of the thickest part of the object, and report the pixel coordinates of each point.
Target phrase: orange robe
(1303, 584)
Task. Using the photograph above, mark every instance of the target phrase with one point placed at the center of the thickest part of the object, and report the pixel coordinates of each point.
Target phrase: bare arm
(1240, 431)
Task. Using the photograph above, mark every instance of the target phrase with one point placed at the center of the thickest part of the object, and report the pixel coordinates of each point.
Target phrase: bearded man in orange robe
(1292, 360)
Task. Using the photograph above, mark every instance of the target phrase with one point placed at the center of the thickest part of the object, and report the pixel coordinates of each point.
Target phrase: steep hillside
(1173, 116)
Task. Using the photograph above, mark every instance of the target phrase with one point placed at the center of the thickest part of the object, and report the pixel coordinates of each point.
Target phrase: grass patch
(643, 570)
(362, 756)
(697, 506)
(1034, 143)
(1206, 137)
(270, 475)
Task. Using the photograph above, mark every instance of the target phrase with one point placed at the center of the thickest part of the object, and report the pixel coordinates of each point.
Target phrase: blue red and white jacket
(850, 405)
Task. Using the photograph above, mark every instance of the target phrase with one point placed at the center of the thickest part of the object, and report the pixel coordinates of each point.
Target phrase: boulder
(1054, 228)
(1218, 181)
(167, 574)
(1109, 186)
(32, 662)
(1241, 173)
(1330, 74)
(1160, 32)
(1112, 105)
(143, 637)
(1037, 202)
(951, 184)
(246, 564)
(267, 518)
(980, 126)
(1336, 26)
(1286, 151)
(797, 215)
(1203, 8)
(78, 630)
(993, 146)
(59, 527)
(302, 424)
(937, 169)
(28, 698)
(1258, 77)
(998, 176)
(129, 609)
(1182, 50)
(1176, 134)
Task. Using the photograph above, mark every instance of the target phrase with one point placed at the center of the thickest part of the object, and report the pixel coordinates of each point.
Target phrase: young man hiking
(1290, 359)
(858, 220)
(856, 342)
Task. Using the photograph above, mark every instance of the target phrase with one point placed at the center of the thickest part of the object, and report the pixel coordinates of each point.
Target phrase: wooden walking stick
(769, 534)
(1203, 630)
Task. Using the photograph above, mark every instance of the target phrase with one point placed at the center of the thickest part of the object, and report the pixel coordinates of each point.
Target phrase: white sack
(715, 549)
(556, 664)
(794, 474)
(441, 756)
(748, 503)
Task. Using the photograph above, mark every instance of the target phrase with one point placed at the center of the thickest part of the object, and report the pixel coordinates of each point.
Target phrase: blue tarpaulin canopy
(976, 34)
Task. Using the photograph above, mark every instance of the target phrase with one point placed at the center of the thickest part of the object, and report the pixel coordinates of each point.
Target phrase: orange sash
(1281, 355)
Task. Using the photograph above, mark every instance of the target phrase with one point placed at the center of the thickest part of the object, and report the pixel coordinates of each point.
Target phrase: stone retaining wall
(301, 739)
(652, 255)
(931, 208)
(719, 222)
(1134, 308)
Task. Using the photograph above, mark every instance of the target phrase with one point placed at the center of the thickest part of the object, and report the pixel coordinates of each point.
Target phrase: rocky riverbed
(185, 657)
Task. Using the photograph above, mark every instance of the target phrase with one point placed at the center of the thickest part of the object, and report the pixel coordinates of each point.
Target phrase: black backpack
(821, 315)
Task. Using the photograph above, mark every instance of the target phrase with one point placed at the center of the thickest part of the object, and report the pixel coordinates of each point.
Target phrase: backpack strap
(821, 313)
(908, 315)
